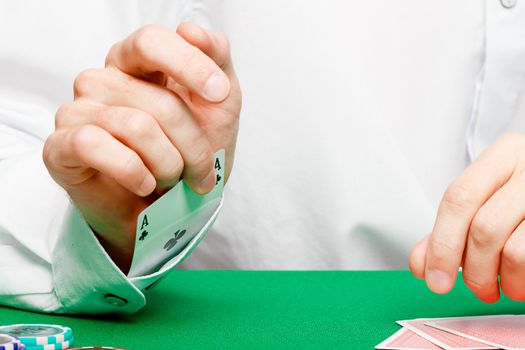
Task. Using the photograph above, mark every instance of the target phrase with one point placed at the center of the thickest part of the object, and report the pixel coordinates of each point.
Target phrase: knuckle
(194, 59)
(169, 107)
(441, 251)
(139, 125)
(64, 113)
(484, 231)
(143, 40)
(130, 167)
(457, 197)
(83, 138)
(513, 255)
(86, 81)
(172, 171)
(195, 64)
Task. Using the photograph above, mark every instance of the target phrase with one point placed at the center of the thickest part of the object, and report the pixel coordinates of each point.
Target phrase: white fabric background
(355, 119)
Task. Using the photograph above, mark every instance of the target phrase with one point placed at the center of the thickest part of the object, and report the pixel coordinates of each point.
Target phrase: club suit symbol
(172, 241)
(143, 235)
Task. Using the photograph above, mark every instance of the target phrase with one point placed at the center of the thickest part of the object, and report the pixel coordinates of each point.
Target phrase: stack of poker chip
(36, 337)
(97, 348)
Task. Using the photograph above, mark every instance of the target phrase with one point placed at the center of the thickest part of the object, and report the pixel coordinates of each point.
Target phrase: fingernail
(217, 87)
(148, 185)
(439, 282)
(207, 184)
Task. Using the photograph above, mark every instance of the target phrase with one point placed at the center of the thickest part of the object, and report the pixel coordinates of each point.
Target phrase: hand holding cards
(170, 223)
(142, 122)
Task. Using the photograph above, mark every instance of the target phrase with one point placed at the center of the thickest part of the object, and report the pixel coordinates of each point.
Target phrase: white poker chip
(38, 334)
(57, 346)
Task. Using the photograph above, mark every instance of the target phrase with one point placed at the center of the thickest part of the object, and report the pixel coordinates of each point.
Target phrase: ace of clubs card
(168, 225)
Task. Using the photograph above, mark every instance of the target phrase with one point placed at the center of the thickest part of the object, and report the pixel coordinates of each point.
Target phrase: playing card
(505, 331)
(444, 339)
(404, 339)
(166, 226)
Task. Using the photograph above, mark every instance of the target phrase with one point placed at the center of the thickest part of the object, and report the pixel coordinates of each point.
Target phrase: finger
(170, 112)
(134, 128)
(512, 268)
(460, 203)
(74, 152)
(154, 49)
(489, 230)
(417, 258)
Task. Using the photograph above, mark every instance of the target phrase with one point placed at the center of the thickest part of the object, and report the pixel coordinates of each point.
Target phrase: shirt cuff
(87, 279)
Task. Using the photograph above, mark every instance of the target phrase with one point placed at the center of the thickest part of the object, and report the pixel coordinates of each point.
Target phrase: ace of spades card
(172, 221)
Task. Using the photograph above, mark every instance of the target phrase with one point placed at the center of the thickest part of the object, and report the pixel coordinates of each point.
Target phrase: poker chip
(97, 348)
(41, 337)
(32, 335)
(57, 346)
(8, 342)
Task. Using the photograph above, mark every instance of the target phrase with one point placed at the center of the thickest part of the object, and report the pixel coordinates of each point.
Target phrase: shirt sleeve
(50, 260)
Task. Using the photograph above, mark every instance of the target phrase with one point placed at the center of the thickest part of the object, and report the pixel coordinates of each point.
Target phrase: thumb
(213, 44)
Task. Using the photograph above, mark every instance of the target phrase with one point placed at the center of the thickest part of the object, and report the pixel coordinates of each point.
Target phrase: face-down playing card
(445, 340)
(166, 226)
(405, 339)
(502, 332)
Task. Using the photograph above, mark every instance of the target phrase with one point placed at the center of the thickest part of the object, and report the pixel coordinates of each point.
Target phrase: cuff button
(115, 300)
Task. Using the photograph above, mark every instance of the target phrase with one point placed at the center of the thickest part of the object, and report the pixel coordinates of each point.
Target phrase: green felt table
(270, 310)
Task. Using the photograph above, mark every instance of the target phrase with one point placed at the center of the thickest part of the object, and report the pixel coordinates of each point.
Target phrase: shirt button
(114, 300)
(508, 3)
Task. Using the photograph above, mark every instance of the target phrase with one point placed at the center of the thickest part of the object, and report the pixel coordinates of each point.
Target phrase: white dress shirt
(356, 116)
